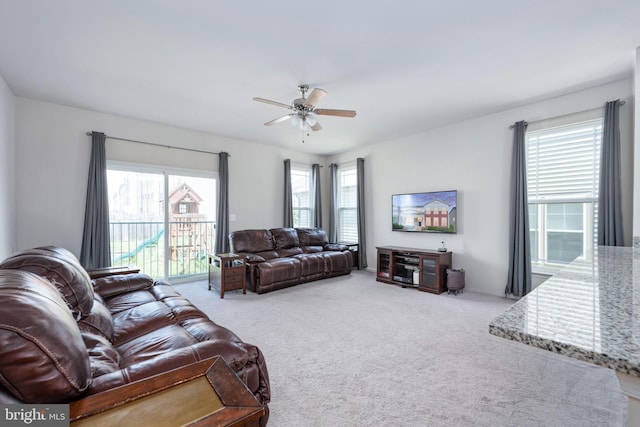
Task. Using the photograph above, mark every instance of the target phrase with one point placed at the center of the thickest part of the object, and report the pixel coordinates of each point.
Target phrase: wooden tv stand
(397, 265)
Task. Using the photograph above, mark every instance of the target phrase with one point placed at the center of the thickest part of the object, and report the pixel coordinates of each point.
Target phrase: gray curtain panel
(317, 199)
(333, 202)
(222, 219)
(519, 279)
(362, 241)
(609, 197)
(96, 241)
(288, 206)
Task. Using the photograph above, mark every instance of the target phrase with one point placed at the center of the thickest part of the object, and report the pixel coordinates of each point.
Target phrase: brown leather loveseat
(283, 257)
(64, 336)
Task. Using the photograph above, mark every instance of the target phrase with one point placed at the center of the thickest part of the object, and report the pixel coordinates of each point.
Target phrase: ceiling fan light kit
(304, 109)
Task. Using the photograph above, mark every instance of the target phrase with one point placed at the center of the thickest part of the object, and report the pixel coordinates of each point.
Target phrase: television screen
(433, 212)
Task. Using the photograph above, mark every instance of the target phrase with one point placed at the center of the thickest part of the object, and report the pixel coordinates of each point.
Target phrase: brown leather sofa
(283, 257)
(64, 336)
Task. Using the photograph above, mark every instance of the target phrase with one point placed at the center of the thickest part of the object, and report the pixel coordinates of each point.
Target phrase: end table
(227, 272)
(205, 393)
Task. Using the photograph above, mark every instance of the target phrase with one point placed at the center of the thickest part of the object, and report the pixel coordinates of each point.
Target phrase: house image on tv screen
(426, 212)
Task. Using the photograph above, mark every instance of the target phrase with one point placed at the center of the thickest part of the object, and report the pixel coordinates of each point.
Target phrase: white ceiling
(405, 66)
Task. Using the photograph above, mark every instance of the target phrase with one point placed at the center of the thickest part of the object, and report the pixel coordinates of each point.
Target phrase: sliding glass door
(161, 221)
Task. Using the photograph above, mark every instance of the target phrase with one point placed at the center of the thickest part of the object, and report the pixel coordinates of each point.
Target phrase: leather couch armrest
(115, 285)
(111, 271)
(252, 258)
(335, 247)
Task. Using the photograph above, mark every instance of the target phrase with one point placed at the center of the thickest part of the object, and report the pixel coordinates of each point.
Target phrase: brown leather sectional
(64, 336)
(283, 257)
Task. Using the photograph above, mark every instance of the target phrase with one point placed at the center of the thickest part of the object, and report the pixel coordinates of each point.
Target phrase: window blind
(348, 204)
(563, 163)
(301, 192)
(563, 166)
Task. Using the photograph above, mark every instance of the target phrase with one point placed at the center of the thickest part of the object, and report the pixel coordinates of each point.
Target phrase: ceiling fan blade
(330, 112)
(279, 119)
(316, 96)
(277, 104)
(316, 127)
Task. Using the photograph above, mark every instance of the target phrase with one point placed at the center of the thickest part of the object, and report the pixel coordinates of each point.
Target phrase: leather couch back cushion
(70, 278)
(312, 236)
(57, 251)
(42, 356)
(254, 241)
(285, 238)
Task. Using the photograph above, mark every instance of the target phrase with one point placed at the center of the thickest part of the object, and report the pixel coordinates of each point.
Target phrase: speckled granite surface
(590, 311)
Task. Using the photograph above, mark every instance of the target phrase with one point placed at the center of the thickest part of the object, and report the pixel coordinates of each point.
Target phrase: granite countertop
(590, 311)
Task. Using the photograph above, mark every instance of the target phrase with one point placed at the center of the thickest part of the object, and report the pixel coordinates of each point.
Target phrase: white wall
(636, 180)
(474, 158)
(7, 171)
(52, 163)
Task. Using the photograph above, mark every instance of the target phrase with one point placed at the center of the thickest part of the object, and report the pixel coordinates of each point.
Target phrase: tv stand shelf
(423, 269)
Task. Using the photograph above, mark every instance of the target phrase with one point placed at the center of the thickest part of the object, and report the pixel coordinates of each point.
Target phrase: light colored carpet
(351, 351)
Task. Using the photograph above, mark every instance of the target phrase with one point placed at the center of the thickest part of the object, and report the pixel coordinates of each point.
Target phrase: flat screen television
(432, 212)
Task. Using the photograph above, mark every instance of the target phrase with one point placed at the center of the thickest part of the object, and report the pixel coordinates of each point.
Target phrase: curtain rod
(569, 114)
(157, 145)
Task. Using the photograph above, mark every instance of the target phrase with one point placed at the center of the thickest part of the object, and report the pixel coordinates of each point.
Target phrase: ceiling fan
(304, 109)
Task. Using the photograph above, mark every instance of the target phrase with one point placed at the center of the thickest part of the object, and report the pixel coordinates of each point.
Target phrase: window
(301, 196)
(563, 165)
(347, 205)
(148, 222)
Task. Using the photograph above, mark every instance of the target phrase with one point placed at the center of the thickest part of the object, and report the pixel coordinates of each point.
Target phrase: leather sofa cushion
(98, 321)
(121, 283)
(266, 255)
(289, 252)
(65, 273)
(57, 251)
(312, 236)
(311, 265)
(177, 333)
(286, 242)
(43, 357)
(337, 263)
(285, 238)
(278, 270)
(103, 356)
(254, 241)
